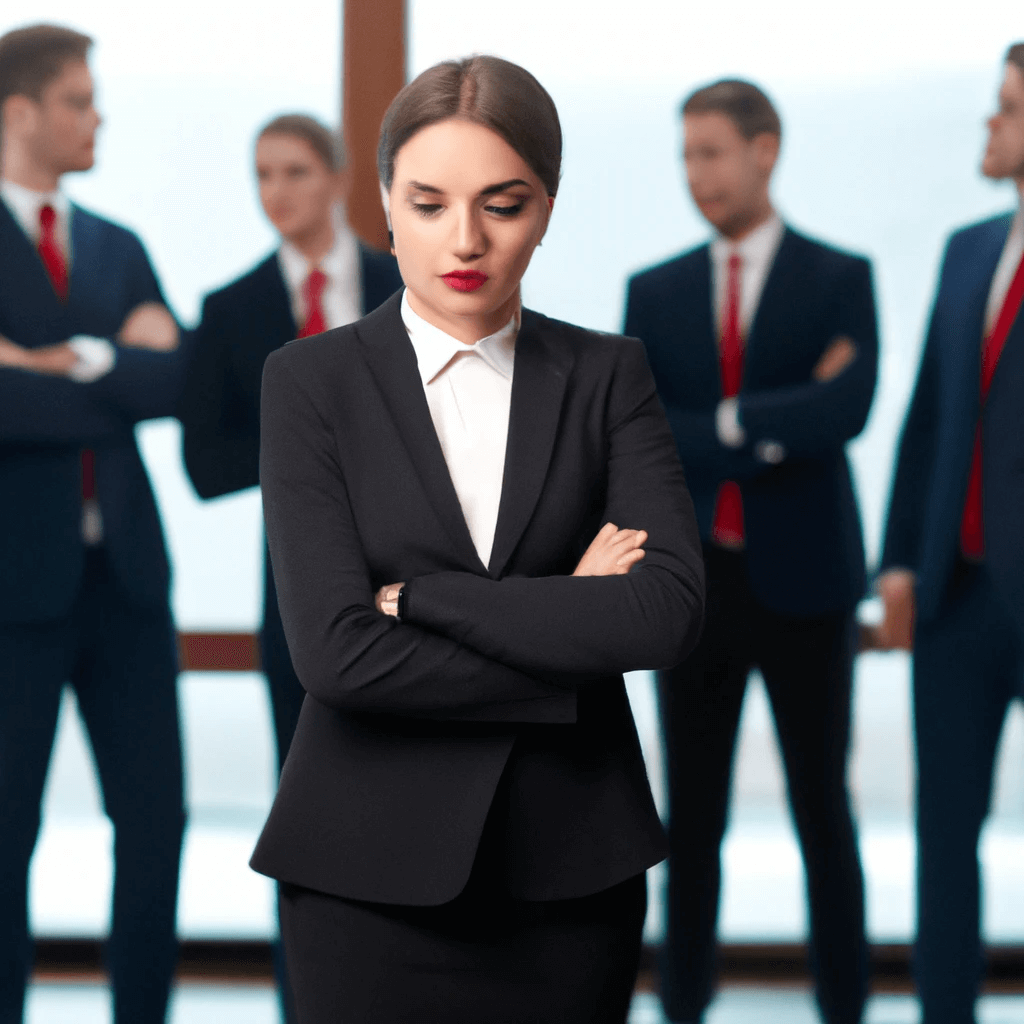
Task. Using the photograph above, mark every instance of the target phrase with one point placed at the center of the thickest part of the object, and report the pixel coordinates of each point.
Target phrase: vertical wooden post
(373, 71)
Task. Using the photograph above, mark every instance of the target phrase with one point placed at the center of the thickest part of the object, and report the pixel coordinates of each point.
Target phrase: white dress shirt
(757, 253)
(1006, 267)
(96, 356)
(342, 297)
(469, 393)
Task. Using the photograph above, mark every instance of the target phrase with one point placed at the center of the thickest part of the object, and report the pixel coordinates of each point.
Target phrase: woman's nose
(469, 241)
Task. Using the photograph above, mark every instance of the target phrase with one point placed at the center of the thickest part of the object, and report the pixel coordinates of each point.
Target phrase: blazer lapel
(392, 361)
(274, 299)
(538, 388)
(783, 281)
(701, 312)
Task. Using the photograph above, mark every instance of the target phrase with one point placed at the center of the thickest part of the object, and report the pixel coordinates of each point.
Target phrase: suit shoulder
(825, 253)
(241, 289)
(102, 227)
(980, 231)
(307, 359)
(670, 270)
(584, 340)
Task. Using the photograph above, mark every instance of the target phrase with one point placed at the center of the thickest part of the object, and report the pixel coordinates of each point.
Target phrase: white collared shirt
(757, 252)
(25, 204)
(1006, 267)
(469, 393)
(342, 297)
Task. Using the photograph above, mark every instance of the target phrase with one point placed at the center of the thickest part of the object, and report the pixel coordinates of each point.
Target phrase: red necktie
(50, 252)
(312, 291)
(972, 525)
(728, 522)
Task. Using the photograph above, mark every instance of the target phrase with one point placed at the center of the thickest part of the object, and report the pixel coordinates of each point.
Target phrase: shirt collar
(339, 263)
(25, 204)
(435, 349)
(759, 246)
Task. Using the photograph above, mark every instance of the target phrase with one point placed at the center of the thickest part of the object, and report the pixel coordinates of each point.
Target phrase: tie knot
(47, 218)
(315, 282)
(735, 261)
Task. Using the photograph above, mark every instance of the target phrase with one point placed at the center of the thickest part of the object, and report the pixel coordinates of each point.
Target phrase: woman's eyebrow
(420, 187)
(502, 185)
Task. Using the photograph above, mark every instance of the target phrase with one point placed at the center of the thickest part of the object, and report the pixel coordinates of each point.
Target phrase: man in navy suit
(952, 577)
(87, 349)
(320, 278)
(764, 347)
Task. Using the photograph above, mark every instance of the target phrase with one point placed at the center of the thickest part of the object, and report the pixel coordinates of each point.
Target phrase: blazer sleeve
(649, 618)
(814, 419)
(914, 463)
(38, 409)
(347, 654)
(221, 450)
(695, 433)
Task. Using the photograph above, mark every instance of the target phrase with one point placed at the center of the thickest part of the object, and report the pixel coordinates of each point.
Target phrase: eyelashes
(428, 210)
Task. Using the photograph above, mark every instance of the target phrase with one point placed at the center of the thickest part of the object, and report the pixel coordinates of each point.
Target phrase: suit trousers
(121, 662)
(807, 668)
(968, 666)
(286, 696)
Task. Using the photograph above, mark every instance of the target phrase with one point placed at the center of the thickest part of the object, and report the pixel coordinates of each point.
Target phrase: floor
(217, 1004)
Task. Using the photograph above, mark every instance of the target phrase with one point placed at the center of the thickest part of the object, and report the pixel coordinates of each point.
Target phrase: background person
(464, 819)
(320, 277)
(952, 577)
(763, 344)
(87, 349)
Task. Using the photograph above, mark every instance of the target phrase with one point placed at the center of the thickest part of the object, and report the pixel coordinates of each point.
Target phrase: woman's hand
(386, 599)
(613, 552)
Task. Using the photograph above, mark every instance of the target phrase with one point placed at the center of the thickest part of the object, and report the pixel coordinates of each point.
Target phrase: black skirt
(484, 958)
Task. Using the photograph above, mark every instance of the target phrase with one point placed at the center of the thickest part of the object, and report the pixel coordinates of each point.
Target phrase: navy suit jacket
(45, 422)
(803, 535)
(241, 325)
(930, 483)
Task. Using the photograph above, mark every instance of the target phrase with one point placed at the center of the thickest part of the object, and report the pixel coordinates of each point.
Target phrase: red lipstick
(464, 280)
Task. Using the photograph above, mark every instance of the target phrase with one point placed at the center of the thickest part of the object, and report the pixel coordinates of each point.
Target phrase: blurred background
(883, 105)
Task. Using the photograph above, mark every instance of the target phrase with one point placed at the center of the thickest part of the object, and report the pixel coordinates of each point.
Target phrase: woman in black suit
(464, 818)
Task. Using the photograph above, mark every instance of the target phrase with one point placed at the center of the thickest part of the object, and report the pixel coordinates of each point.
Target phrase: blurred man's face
(58, 130)
(297, 189)
(1004, 155)
(728, 175)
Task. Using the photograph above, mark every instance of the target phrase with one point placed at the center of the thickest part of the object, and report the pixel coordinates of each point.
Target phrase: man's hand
(836, 358)
(149, 325)
(54, 360)
(896, 630)
(386, 599)
(613, 552)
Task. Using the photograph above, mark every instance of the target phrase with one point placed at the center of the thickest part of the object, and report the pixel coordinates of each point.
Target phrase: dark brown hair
(742, 102)
(326, 144)
(485, 90)
(1015, 56)
(32, 57)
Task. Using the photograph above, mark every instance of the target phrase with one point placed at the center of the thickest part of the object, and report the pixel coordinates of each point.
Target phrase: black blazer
(46, 421)
(804, 546)
(241, 325)
(930, 482)
(508, 669)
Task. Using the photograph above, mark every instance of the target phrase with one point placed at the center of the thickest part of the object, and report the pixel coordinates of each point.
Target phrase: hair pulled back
(485, 90)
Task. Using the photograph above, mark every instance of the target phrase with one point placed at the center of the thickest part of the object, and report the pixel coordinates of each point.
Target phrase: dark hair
(742, 102)
(32, 57)
(1015, 56)
(326, 144)
(485, 90)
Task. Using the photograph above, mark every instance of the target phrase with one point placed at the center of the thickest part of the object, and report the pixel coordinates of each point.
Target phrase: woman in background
(464, 820)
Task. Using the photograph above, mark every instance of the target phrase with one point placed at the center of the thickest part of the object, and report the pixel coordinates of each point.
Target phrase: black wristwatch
(400, 602)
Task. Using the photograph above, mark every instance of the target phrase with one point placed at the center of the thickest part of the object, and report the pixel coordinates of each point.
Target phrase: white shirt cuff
(727, 423)
(96, 358)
